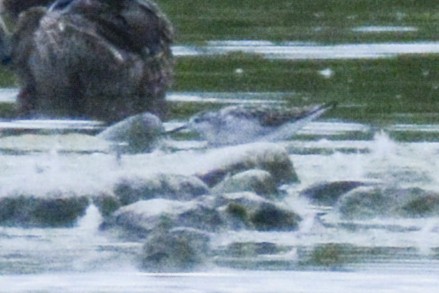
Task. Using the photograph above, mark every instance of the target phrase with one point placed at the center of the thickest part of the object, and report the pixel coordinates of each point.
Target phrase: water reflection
(309, 51)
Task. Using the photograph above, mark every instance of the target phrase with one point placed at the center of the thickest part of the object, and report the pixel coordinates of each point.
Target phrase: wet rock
(106, 203)
(236, 208)
(371, 202)
(329, 255)
(55, 209)
(179, 249)
(420, 203)
(265, 156)
(271, 217)
(364, 203)
(143, 217)
(248, 210)
(327, 193)
(253, 255)
(170, 186)
(252, 249)
(136, 134)
(258, 181)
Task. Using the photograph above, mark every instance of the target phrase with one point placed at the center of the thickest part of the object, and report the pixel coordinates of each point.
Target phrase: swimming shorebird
(239, 124)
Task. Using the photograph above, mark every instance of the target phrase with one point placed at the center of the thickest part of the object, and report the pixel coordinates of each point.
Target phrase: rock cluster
(355, 200)
(173, 214)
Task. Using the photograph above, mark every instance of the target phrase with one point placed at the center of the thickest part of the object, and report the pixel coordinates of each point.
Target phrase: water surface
(378, 60)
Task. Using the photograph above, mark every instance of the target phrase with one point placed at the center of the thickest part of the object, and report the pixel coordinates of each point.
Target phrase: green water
(403, 89)
(328, 21)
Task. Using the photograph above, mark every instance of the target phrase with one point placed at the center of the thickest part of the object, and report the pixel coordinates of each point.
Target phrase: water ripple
(306, 51)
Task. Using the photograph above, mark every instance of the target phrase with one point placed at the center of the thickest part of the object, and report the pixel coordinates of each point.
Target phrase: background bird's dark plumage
(93, 59)
(14, 7)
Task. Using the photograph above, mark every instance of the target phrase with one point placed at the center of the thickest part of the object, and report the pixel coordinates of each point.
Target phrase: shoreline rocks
(385, 202)
(328, 193)
(174, 214)
(56, 209)
(170, 186)
(255, 168)
(179, 249)
(263, 156)
(258, 181)
(144, 217)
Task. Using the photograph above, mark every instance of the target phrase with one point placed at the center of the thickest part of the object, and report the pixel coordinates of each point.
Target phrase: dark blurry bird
(14, 7)
(250, 123)
(99, 59)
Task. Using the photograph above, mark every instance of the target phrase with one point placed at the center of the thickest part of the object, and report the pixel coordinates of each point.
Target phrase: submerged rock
(265, 156)
(421, 204)
(254, 255)
(247, 210)
(107, 203)
(327, 193)
(55, 209)
(271, 217)
(252, 249)
(143, 217)
(170, 186)
(179, 249)
(258, 181)
(329, 255)
(372, 202)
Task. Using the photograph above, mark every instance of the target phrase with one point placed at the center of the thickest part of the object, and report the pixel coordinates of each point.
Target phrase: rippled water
(388, 255)
(379, 63)
(304, 51)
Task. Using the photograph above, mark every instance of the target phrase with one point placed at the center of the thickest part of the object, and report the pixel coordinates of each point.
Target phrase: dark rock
(371, 202)
(136, 134)
(250, 211)
(258, 181)
(265, 156)
(327, 193)
(254, 255)
(106, 203)
(170, 186)
(179, 249)
(363, 203)
(236, 208)
(143, 217)
(329, 255)
(421, 203)
(271, 217)
(252, 249)
(55, 209)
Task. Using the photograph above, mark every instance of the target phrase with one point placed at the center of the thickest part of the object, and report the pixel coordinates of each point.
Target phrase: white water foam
(294, 51)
